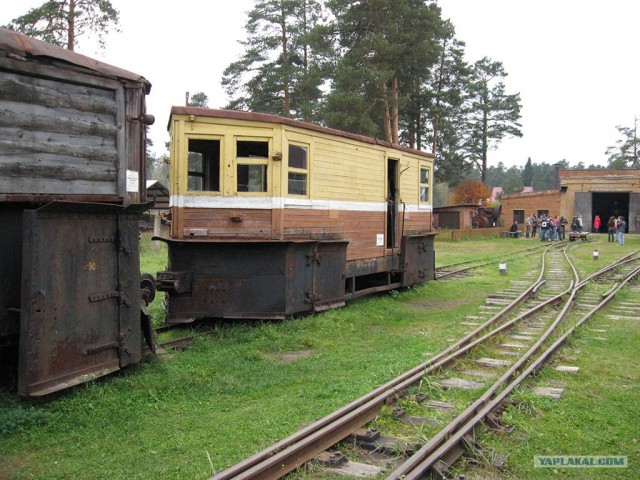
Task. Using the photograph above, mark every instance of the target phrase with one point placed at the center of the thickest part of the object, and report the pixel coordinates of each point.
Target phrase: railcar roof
(18, 44)
(265, 117)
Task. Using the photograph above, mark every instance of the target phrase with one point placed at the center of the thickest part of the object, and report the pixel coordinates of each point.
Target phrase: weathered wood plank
(55, 186)
(36, 118)
(23, 171)
(32, 90)
(13, 148)
(56, 138)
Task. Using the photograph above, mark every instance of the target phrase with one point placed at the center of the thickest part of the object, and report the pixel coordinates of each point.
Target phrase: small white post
(503, 268)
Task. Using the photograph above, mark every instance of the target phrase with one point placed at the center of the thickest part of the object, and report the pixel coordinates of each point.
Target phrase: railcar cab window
(203, 171)
(298, 170)
(252, 159)
(424, 184)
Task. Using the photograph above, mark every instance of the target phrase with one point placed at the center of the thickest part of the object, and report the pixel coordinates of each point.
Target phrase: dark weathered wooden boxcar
(72, 185)
(272, 216)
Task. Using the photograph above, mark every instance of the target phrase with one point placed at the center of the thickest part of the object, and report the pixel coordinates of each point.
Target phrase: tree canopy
(471, 192)
(391, 69)
(283, 67)
(624, 154)
(199, 99)
(62, 22)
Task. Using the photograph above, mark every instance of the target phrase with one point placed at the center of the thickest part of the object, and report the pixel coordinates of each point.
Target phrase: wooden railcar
(72, 184)
(272, 216)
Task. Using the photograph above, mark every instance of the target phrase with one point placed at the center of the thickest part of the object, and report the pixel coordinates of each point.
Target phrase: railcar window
(298, 170)
(203, 171)
(252, 165)
(424, 184)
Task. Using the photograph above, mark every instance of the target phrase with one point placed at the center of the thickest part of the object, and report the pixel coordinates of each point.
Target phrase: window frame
(518, 216)
(421, 184)
(304, 171)
(211, 138)
(252, 161)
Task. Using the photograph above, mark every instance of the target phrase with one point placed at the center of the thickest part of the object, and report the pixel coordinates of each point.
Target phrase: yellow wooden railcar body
(320, 183)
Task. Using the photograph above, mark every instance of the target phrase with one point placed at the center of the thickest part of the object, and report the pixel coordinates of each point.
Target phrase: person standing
(622, 225)
(534, 225)
(611, 229)
(527, 224)
(562, 225)
(596, 224)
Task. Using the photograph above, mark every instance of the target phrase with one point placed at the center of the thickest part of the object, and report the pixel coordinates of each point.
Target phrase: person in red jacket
(596, 224)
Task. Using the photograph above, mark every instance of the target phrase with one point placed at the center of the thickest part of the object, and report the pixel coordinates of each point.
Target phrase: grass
(184, 414)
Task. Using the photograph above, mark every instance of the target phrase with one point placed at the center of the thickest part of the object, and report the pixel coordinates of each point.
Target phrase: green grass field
(187, 414)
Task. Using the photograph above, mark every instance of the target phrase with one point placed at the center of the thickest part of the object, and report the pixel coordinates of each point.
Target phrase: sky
(573, 62)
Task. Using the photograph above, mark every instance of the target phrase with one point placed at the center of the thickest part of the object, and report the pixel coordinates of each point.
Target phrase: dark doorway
(392, 203)
(607, 204)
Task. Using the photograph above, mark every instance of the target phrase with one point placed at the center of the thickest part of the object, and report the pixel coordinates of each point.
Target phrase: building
(581, 192)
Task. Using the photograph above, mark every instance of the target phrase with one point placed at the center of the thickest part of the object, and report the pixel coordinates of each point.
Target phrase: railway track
(461, 269)
(516, 320)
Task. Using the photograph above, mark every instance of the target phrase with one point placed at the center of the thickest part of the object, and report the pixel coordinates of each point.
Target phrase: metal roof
(266, 117)
(18, 44)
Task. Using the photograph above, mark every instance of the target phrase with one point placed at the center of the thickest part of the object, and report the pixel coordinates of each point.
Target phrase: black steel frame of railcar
(275, 279)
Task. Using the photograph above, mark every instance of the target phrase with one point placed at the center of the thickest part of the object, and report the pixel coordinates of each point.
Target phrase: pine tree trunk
(394, 109)
(71, 20)
(385, 110)
(285, 65)
(436, 119)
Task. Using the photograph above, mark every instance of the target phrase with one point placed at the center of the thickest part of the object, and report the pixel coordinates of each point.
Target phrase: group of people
(545, 227)
(616, 226)
(548, 229)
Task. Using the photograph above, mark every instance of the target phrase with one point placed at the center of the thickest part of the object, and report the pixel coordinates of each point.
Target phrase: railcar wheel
(147, 288)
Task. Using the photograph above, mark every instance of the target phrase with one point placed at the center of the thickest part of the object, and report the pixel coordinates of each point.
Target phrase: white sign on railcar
(132, 181)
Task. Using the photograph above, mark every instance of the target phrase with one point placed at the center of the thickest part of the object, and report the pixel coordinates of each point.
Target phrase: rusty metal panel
(328, 261)
(252, 279)
(584, 208)
(80, 295)
(10, 272)
(633, 224)
(417, 258)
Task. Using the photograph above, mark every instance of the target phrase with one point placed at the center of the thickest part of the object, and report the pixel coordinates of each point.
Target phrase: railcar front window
(252, 165)
(298, 170)
(424, 184)
(203, 171)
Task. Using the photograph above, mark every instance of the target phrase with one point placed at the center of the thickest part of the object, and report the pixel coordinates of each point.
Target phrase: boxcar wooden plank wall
(69, 129)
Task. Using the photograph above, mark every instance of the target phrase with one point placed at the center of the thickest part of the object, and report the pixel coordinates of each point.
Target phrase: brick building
(518, 206)
(581, 192)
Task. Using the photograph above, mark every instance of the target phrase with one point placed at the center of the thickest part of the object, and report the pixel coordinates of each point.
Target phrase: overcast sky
(574, 62)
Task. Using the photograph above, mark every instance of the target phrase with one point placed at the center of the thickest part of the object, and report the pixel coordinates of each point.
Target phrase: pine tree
(385, 50)
(199, 99)
(625, 153)
(491, 113)
(62, 22)
(527, 174)
(281, 72)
